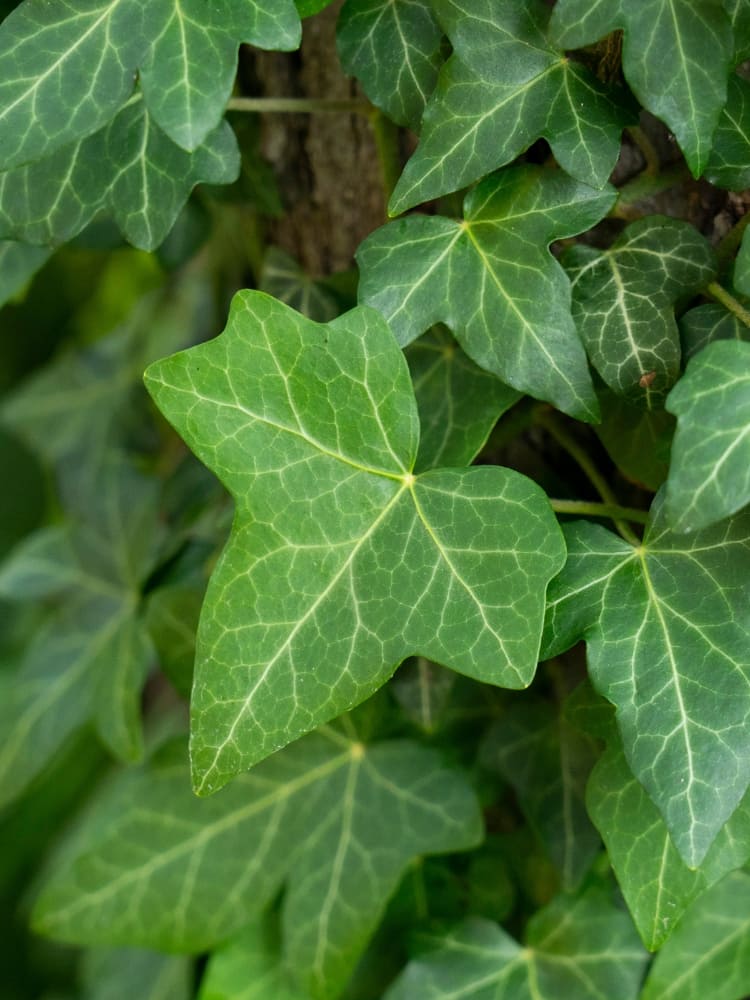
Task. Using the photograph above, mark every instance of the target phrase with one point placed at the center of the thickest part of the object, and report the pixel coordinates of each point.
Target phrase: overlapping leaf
(704, 324)
(108, 974)
(676, 57)
(504, 87)
(741, 275)
(576, 949)
(458, 403)
(624, 297)
(395, 49)
(283, 278)
(667, 628)
(656, 883)
(709, 953)
(492, 280)
(729, 163)
(18, 263)
(249, 968)
(181, 873)
(341, 562)
(89, 659)
(637, 440)
(69, 67)
(129, 169)
(709, 475)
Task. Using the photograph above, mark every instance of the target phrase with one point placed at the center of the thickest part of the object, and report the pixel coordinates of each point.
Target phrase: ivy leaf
(687, 90)
(18, 263)
(642, 453)
(86, 54)
(739, 15)
(709, 476)
(729, 163)
(576, 949)
(405, 30)
(458, 403)
(660, 619)
(249, 968)
(492, 280)
(110, 973)
(656, 883)
(624, 298)
(504, 87)
(304, 616)
(129, 169)
(709, 953)
(547, 763)
(283, 278)
(704, 324)
(182, 873)
(423, 691)
(741, 276)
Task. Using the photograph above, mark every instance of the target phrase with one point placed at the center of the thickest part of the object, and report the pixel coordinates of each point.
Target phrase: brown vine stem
(300, 105)
(729, 302)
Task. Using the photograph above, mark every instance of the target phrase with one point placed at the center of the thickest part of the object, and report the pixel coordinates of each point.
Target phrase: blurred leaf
(249, 967)
(142, 975)
(19, 262)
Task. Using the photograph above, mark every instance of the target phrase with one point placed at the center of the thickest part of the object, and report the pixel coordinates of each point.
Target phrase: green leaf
(504, 87)
(547, 763)
(739, 15)
(283, 278)
(637, 440)
(709, 953)
(656, 883)
(249, 968)
(129, 169)
(704, 324)
(576, 949)
(341, 562)
(113, 973)
(172, 620)
(741, 276)
(659, 620)
(19, 262)
(688, 89)
(407, 32)
(624, 298)
(492, 280)
(68, 68)
(423, 690)
(729, 163)
(458, 403)
(709, 476)
(180, 873)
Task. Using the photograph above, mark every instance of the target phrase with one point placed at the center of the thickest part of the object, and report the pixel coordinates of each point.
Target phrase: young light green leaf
(729, 163)
(504, 87)
(547, 763)
(662, 621)
(688, 89)
(576, 949)
(110, 974)
(704, 324)
(458, 403)
(249, 967)
(129, 169)
(406, 33)
(624, 297)
(182, 873)
(19, 262)
(341, 562)
(709, 475)
(709, 953)
(656, 883)
(492, 280)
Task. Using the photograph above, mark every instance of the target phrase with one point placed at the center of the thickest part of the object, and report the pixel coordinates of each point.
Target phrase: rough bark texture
(326, 164)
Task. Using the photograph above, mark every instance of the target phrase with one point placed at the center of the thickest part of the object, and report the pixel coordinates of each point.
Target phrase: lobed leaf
(341, 562)
(492, 280)
(667, 628)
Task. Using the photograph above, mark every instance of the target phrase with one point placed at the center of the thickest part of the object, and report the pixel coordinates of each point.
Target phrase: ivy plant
(379, 631)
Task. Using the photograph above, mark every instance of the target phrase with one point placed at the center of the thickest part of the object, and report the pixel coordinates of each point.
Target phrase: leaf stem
(547, 420)
(301, 105)
(728, 301)
(611, 510)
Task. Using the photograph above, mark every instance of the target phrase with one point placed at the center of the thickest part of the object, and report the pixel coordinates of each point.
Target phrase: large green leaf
(676, 58)
(129, 169)
(492, 280)
(709, 953)
(341, 562)
(666, 622)
(175, 872)
(576, 949)
(19, 262)
(458, 403)
(395, 49)
(656, 883)
(624, 298)
(729, 163)
(504, 87)
(69, 67)
(709, 475)
(547, 763)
